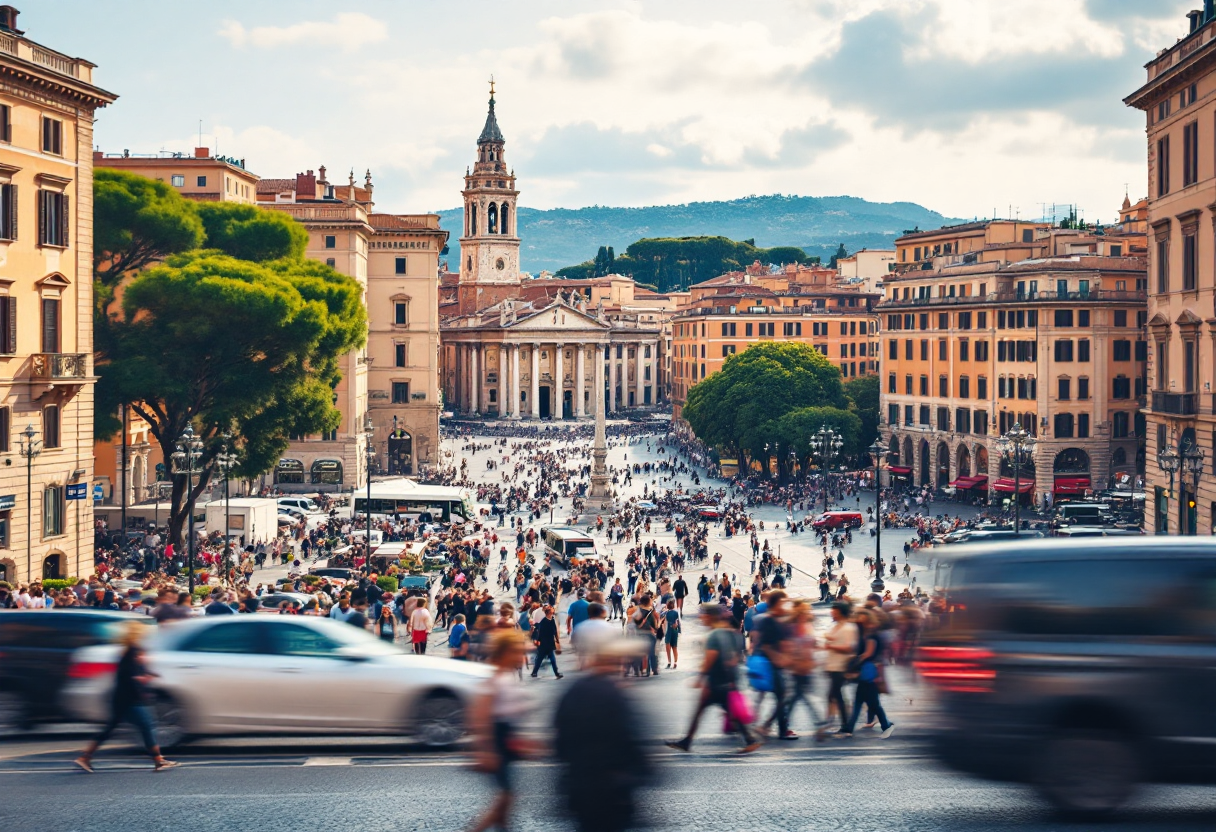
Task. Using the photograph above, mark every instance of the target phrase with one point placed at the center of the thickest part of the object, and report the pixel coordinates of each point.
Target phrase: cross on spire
(491, 86)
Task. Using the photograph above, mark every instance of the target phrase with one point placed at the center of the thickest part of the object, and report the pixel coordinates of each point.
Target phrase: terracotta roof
(395, 221)
(276, 186)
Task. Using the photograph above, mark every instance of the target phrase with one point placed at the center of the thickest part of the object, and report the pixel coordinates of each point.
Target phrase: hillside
(565, 236)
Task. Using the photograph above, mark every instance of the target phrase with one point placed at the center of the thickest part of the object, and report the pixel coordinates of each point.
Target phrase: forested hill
(565, 236)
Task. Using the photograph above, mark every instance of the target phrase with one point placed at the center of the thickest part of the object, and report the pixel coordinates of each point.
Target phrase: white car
(261, 674)
(303, 504)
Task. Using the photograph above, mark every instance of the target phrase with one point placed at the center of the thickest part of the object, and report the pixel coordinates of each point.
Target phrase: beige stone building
(47, 106)
(1178, 99)
(201, 176)
(533, 349)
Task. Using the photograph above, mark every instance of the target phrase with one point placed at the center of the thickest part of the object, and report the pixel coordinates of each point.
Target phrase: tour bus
(410, 499)
(1088, 513)
(563, 543)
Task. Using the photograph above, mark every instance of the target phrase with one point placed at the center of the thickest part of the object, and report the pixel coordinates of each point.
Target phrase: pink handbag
(738, 709)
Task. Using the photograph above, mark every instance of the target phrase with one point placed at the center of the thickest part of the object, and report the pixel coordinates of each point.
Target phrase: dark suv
(36, 647)
(1083, 669)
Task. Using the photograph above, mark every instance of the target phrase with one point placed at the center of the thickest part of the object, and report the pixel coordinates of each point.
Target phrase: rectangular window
(201, 182)
(178, 180)
(50, 426)
(891, 387)
(6, 123)
(981, 387)
(908, 349)
(943, 320)
(1163, 166)
(908, 385)
(399, 266)
(981, 318)
(401, 392)
(1082, 389)
(399, 355)
(1064, 392)
(943, 419)
(1121, 387)
(331, 262)
(8, 325)
(1063, 350)
(50, 324)
(52, 511)
(1142, 350)
(1082, 425)
(979, 421)
(964, 350)
(331, 241)
(924, 349)
(893, 415)
(52, 136)
(1190, 262)
(964, 320)
(1083, 349)
(6, 426)
(1190, 154)
(941, 349)
(964, 387)
(1082, 317)
(728, 349)
(909, 419)
(943, 387)
(747, 330)
(401, 313)
(924, 414)
(893, 349)
(1120, 317)
(981, 350)
(8, 212)
(52, 218)
(1121, 350)
(1063, 318)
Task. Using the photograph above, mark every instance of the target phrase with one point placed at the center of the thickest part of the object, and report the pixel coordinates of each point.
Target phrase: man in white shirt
(421, 623)
(595, 634)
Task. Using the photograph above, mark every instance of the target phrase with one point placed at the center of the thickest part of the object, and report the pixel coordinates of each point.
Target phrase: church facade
(534, 349)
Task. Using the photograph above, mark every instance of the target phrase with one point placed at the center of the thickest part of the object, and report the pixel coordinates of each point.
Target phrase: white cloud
(349, 30)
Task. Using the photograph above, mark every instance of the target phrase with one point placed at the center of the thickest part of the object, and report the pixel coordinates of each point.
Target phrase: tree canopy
(864, 393)
(248, 232)
(740, 408)
(676, 263)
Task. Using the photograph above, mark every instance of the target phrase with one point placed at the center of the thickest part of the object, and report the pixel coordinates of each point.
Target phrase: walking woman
(131, 702)
(868, 666)
(494, 721)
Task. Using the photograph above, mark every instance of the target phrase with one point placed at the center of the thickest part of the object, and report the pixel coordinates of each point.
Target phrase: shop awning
(980, 482)
(963, 482)
(1072, 485)
(1006, 484)
(899, 470)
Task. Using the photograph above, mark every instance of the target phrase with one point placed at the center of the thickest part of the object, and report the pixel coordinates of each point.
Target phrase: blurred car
(260, 674)
(838, 520)
(340, 573)
(271, 601)
(997, 536)
(708, 512)
(420, 583)
(36, 649)
(1082, 669)
(302, 504)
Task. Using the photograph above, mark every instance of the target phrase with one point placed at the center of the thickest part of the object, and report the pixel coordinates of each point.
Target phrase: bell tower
(489, 246)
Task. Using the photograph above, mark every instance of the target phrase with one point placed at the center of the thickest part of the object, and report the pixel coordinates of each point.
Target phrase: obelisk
(600, 498)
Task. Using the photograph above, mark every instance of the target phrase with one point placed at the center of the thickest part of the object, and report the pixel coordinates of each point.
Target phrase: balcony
(1177, 404)
(57, 366)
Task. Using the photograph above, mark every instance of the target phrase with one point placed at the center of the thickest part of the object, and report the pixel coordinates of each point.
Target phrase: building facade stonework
(47, 106)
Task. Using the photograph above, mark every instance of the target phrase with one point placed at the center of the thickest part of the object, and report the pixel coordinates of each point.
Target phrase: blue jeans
(543, 653)
(867, 694)
(139, 716)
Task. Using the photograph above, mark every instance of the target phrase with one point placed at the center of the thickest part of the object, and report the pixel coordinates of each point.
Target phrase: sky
(968, 107)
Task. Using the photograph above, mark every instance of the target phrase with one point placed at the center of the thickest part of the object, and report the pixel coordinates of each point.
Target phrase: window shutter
(42, 209)
(12, 326)
(63, 226)
(12, 212)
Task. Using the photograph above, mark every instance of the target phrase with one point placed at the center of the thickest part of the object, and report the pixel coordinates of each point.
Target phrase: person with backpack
(458, 639)
(770, 642)
(719, 679)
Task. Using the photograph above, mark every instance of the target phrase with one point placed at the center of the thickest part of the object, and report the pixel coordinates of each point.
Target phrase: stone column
(515, 414)
(503, 400)
(656, 369)
(475, 378)
(580, 381)
(535, 381)
(600, 497)
(638, 366)
(457, 375)
(611, 380)
(558, 380)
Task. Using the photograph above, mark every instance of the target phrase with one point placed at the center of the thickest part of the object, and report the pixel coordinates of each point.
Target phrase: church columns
(504, 400)
(580, 381)
(555, 402)
(475, 397)
(535, 393)
(598, 397)
(655, 369)
(612, 377)
(639, 380)
(515, 414)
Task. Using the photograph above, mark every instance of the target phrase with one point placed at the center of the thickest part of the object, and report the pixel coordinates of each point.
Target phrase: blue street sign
(78, 491)
(99, 492)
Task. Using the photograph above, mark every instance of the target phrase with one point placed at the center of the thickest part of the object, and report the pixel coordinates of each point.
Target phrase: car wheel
(439, 721)
(1088, 773)
(14, 715)
(171, 723)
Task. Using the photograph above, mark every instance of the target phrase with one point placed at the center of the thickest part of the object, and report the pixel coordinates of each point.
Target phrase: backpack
(760, 673)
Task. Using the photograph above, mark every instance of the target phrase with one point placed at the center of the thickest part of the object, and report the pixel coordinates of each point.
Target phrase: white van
(302, 503)
(563, 543)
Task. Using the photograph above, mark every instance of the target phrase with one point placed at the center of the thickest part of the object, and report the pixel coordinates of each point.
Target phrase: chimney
(202, 153)
(98, 155)
(306, 185)
(1194, 18)
(8, 20)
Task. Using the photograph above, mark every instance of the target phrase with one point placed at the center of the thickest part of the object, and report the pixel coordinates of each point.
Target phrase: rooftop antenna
(200, 133)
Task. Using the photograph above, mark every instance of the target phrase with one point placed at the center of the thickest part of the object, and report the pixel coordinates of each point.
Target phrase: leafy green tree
(219, 343)
(137, 222)
(796, 429)
(248, 232)
(841, 252)
(864, 396)
(734, 409)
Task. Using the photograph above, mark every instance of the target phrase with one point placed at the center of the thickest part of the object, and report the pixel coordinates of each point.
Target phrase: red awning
(899, 469)
(1072, 485)
(1006, 484)
(963, 482)
(981, 480)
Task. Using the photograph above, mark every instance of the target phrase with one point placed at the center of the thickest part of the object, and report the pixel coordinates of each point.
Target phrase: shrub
(58, 583)
(201, 592)
(387, 582)
(310, 579)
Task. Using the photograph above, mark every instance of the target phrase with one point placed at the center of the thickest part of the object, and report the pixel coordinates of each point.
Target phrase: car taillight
(957, 669)
(91, 670)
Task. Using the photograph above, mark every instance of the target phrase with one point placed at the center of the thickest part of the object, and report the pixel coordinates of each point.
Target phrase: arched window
(506, 210)
(492, 219)
(473, 225)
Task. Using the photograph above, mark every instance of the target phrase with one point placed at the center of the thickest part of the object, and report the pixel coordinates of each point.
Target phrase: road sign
(78, 491)
(99, 492)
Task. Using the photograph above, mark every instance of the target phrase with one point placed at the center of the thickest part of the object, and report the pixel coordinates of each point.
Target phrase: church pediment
(556, 318)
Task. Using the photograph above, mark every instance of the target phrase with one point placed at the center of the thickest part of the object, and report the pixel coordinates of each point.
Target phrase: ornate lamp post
(29, 447)
(1192, 460)
(369, 433)
(825, 446)
(188, 454)
(1017, 445)
(877, 451)
(226, 460)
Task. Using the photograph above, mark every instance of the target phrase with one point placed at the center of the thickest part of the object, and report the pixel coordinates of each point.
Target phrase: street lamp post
(1168, 461)
(877, 450)
(185, 458)
(1016, 445)
(29, 447)
(369, 433)
(226, 460)
(1192, 458)
(825, 445)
